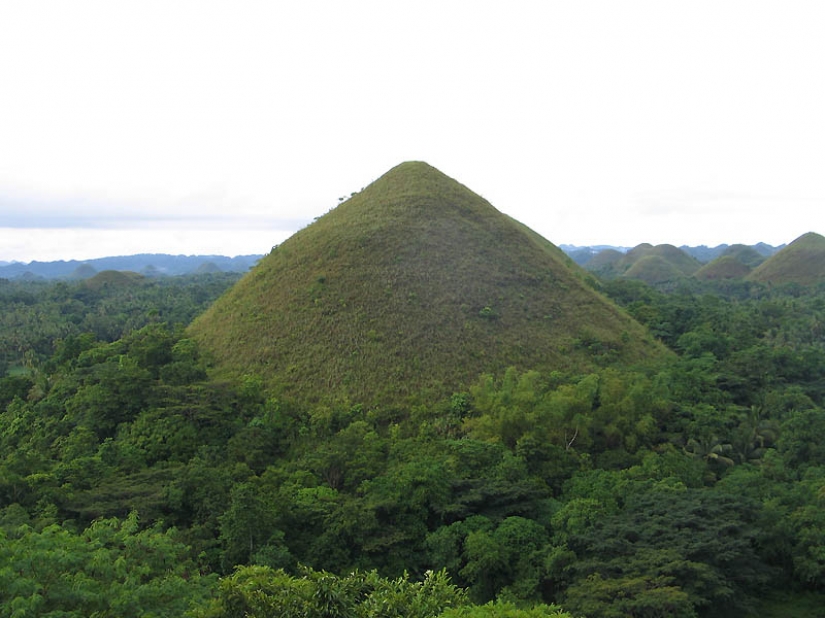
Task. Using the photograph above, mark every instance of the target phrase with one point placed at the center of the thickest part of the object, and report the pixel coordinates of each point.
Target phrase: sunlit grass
(414, 284)
(802, 261)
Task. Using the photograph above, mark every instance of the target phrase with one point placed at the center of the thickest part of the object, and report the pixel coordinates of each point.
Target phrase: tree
(261, 592)
(669, 547)
(111, 568)
(249, 525)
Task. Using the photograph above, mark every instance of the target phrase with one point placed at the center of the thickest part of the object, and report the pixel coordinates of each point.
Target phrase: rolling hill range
(645, 262)
(749, 256)
(802, 262)
(414, 285)
(595, 257)
(735, 262)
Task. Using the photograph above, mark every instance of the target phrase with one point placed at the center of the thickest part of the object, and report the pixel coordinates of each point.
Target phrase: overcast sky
(223, 127)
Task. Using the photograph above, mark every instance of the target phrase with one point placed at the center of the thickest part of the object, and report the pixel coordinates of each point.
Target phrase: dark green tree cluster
(36, 314)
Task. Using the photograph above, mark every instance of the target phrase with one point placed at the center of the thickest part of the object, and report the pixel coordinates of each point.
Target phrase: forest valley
(133, 484)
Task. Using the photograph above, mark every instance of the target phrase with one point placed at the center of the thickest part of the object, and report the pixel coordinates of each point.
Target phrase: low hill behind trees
(645, 262)
(723, 267)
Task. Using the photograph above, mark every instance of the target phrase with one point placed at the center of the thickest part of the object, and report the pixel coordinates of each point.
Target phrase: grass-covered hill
(414, 284)
(723, 267)
(604, 261)
(735, 262)
(653, 269)
(746, 254)
(802, 262)
(84, 271)
(680, 261)
(645, 262)
(113, 279)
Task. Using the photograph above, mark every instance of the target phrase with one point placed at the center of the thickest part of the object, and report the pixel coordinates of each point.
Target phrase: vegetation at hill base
(36, 314)
(132, 483)
(415, 407)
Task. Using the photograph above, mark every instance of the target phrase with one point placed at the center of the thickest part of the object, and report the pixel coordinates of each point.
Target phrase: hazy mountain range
(150, 264)
(582, 254)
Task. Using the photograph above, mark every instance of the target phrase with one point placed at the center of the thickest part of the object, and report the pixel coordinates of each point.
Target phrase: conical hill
(415, 284)
(665, 257)
(113, 279)
(654, 269)
(645, 262)
(744, 254)
(604, 262)
(722, 268)
(802, 261)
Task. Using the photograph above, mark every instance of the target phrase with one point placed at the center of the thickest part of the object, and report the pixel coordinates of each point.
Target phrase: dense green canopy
(134, 483)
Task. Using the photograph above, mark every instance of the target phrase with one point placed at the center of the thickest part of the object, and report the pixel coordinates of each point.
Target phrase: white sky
(222, 127)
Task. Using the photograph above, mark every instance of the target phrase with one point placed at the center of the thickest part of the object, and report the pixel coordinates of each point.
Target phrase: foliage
(112, 568)
(688, 486)
(38, 317)
(260, 592)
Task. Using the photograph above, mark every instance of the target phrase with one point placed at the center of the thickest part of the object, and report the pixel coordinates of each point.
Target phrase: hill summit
(802, 262)
(416, 284)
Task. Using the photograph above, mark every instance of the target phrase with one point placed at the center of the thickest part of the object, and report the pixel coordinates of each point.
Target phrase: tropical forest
(418, 407)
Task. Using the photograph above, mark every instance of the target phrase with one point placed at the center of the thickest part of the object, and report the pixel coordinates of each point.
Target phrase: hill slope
(723, 267)
(802, 261)
(645, 262)
(653, 269)
(604, 261)
(415, 283)
(680, 261)
(745, 254)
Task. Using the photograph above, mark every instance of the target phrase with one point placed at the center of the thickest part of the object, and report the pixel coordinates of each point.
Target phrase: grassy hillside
(802, 261)
(604, 261)
(414, 283)
(645, 262)
(113, 279)
(745, 254)
(678, 259)
(723, 267)
(653, 269)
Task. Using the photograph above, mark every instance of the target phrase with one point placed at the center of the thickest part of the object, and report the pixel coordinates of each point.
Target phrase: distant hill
(802, 261)
(414, 284)
(583, 255)
(703, 253)
(723, 267)
(113, 279)
(645, 262)
(207, 268)
(604, 261)
(84, 271)
(745, 254)
(653, 268)
(766, 250)
(680, 261)
(160, 263)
